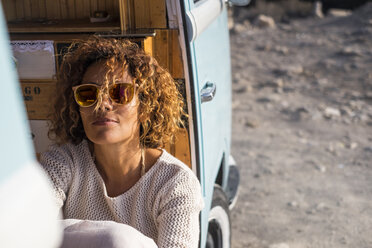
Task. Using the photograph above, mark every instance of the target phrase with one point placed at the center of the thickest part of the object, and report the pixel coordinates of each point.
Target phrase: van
(190, 38)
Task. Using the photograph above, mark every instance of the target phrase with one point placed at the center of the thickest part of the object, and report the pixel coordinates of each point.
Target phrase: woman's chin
(105, 140)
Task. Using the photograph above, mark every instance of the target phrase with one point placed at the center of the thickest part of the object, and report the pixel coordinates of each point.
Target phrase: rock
(352, 145)
(263, 100)
(292, 204)
(300, 114)
(288, 70)
(368, 95)
(321, 206)
(279, 72)
(295, 69)
(263, 21)
(361, 117)
(242, 27)
(331, 149)
(349, 51)
(355, 95)
(355, 104)
(347, 111)
(289, 89)
(251, 123)
(281, 50)
(321, 168)
(322, 81)
(243, 89)
(346, 121)
(284, 104)
(230, 23)
(278, 90)
(235, 104)
(339, 12)
(278, 83)
(317, 11)
(280, 245)
(368, 149)
(316, 115)
(300, 133)
(266, 47)
(331, 113)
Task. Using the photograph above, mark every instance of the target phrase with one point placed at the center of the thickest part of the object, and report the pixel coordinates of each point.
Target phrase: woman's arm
(58, 163)
(178, 219)
(98, 234)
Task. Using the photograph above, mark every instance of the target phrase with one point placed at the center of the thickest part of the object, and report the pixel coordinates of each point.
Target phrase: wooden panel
(53, 9)
(35, 11)
(181, 147)
(9, 9)
(27, 9)
(71, 9)
(158, 14)
(161, 48)
(101, 5)
(37, 97)
(108, 7)
(84, 11)
(42, 9)
(175, 56)
(115, 8)
(93, 6)
(19, 9)
(79, 9)
(63, 8)
(124, 15)
(58, 9)
(150, 14)
(148, 45)
(167, 51)
(71, 26)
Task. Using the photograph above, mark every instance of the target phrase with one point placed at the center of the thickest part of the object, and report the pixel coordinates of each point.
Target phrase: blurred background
(302, 123)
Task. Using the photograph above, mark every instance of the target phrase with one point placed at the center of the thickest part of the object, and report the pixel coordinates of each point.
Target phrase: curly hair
(161, 107)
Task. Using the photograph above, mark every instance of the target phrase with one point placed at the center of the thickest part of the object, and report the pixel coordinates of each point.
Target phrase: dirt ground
(302, 131)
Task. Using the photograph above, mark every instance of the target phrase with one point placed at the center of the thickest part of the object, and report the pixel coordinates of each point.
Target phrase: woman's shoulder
(179, 182)
(168, 162)
(168, 170)
(65, 153)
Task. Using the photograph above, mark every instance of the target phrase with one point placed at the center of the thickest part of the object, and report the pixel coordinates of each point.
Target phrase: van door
(209, 59)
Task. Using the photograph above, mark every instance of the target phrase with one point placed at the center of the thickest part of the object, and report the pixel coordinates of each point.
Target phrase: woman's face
(111, 123)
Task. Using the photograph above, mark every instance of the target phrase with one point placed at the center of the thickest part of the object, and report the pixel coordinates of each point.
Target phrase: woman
(116, 107)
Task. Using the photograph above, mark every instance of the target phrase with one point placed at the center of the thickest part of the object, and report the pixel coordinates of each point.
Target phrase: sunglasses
(86, 95)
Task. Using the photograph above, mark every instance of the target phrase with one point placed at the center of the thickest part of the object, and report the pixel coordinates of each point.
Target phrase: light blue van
(203, 39)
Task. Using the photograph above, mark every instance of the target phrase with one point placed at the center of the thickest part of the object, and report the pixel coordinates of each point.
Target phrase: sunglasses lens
(86, 95)
(122, 93)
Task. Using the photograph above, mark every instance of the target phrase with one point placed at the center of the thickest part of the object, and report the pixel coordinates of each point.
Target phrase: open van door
(208, 50)
(27, 212)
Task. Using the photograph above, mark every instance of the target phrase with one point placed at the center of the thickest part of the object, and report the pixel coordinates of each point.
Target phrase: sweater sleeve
(178, 219)
(57, 163)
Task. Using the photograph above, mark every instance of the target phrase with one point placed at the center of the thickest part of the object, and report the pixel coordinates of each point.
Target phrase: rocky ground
(302, 131)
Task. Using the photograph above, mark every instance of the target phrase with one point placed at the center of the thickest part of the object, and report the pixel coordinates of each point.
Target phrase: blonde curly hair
(161, 107)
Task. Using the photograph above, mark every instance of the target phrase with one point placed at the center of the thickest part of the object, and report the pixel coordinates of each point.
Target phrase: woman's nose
(106, 104)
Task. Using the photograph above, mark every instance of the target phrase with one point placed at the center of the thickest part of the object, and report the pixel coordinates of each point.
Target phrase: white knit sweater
(164, 204)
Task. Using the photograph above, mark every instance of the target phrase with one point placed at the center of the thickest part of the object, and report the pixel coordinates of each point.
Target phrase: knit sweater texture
(163, 205)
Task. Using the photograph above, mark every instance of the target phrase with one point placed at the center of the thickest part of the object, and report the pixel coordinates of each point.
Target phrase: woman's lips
(104, 122)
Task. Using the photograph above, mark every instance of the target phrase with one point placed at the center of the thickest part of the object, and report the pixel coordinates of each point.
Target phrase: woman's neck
(118, 162)
(120, 165)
